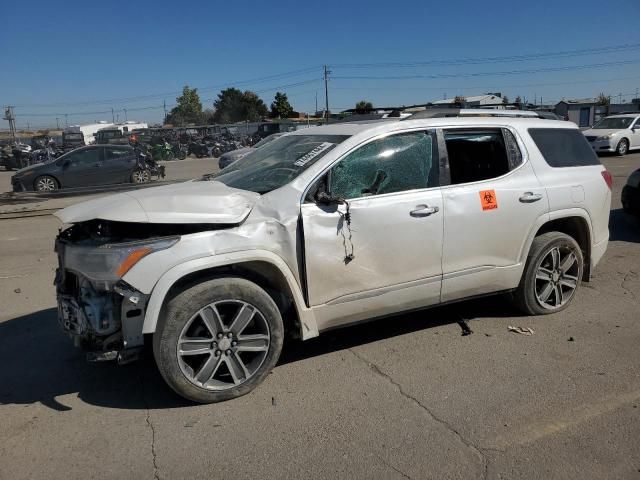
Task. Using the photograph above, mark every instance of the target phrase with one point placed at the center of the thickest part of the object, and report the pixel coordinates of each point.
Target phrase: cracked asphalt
(407, 397)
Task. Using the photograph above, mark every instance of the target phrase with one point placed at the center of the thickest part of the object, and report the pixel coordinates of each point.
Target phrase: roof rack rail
(471, 112)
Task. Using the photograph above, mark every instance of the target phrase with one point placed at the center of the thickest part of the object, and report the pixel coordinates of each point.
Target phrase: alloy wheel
(46, 184)
(557, 277)
(140, 176)
(223, 345)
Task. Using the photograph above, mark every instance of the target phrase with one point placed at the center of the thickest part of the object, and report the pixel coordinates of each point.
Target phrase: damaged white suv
(325, 227)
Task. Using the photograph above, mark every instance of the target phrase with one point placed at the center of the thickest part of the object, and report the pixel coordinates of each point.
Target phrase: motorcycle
(162, 151)
(147, 166)
(199, 149)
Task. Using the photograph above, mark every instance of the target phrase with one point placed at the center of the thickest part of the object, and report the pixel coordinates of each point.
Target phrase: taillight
(607, 178)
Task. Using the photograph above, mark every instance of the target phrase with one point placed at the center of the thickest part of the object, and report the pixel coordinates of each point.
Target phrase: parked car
(631, 194)
(228, 158)
(86, 166)
(616, 133)
(329, 226)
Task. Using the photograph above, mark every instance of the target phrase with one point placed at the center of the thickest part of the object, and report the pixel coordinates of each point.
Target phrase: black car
(83, 167)
(631, 194)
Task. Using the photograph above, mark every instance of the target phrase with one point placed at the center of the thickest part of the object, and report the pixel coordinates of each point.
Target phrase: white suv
(325, 227)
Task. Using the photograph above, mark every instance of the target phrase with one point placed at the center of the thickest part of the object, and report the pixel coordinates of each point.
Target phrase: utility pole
(620, 98)
(113, 117)
(66, 119)
(316, 111)
(326, 93)
(164, 105)
(117, 118)
(10, 117)
(57, 123)
(125, 114)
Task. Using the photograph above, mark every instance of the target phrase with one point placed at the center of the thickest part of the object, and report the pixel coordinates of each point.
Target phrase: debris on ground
(571, 339)
(17, 290)
(521, 330)
(465, 328)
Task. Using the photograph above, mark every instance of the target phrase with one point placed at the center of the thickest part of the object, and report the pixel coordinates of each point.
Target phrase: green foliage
(233, 105)
(518, 100)
(363, 106)
(603, 99)
(505, 99)
(459, 99)
(281, 108)
(188, 110)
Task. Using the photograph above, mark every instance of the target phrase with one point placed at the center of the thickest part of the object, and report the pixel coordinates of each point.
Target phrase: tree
(281, 108)
(188, 108)
(603, 99)
(364, 106)
(233, 105)
(459, 100)
(505, 99)
(518, 100)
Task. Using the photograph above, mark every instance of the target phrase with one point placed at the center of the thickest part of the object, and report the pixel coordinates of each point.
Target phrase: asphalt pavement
(407, 397)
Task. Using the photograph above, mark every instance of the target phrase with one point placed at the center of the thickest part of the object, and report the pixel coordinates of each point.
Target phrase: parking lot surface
(404, 397)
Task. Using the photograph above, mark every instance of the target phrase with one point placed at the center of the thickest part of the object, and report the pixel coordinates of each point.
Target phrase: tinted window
(613, 123)
(392, 164)
(86, 157)
(563, 147)
(112, 153)
(480, 154)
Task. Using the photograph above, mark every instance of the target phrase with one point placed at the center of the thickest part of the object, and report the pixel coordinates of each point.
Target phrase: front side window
(277, 163)
(480, 154)
(84, 158)
(613, 123)
(392, 164)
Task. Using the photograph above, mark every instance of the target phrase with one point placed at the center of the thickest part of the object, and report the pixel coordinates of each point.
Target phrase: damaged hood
(189, 202)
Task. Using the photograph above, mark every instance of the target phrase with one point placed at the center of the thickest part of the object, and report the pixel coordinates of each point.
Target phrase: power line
(487, 74)
(502, 59)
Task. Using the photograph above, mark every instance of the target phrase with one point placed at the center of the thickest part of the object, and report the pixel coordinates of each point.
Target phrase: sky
(84, 58)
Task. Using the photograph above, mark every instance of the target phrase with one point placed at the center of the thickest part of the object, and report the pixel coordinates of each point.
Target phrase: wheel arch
(576, 224)
(270, 273)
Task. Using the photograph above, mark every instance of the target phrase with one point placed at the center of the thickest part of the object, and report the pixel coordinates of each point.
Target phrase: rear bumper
(597, 252)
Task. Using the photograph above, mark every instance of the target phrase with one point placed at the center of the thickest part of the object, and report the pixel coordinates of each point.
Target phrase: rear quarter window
(563, 147)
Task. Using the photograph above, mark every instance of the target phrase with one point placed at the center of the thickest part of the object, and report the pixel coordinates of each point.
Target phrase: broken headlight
(110, 262)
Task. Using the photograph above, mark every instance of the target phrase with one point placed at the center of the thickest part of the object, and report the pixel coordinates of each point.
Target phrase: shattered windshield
(277, 163)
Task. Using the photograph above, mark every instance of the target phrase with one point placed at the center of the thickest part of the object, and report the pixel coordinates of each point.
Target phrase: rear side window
(480, 154)
(563, 147)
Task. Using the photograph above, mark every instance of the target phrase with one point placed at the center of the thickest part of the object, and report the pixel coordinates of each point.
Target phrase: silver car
(616, 133)
(329, 226)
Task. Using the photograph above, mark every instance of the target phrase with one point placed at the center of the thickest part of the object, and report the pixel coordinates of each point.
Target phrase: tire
(45, 183)
(541, 264)
(623, 147)
(182, 155)
(207, 377)
(140, 176)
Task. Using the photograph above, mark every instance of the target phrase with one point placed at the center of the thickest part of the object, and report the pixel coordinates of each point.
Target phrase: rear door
(493, 201)
(119, 163)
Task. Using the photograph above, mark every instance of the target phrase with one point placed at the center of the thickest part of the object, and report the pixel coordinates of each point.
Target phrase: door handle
(530, 197)
(423, 211)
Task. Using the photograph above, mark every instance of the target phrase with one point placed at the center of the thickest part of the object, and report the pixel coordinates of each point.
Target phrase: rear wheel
(218, 340)
(623, 147)
(45, 183)
(140, 176)
(551, 276)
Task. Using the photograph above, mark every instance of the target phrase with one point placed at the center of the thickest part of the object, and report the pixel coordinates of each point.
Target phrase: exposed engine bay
(103, 314)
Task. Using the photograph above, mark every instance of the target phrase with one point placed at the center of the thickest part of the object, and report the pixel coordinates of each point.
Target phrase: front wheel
(140, 176)
(45, 183)
(551, 276)
(218, 340)
(623, 147)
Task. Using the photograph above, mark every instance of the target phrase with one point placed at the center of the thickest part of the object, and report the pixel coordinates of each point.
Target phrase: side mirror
(325, 199)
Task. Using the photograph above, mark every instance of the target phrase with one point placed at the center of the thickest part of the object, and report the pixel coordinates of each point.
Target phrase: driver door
(380, 251)
(83, 168)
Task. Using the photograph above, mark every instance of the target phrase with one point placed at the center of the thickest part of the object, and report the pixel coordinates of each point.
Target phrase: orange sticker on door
(488, 200)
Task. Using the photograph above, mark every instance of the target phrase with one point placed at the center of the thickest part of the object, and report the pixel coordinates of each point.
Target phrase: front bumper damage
(103, 318)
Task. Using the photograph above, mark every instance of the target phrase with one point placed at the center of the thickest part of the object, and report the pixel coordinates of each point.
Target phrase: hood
(35, 166)
(189, 202)
(599, 132)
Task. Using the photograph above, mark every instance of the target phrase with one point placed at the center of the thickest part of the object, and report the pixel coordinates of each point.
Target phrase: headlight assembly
(110, 262)
(604, 137)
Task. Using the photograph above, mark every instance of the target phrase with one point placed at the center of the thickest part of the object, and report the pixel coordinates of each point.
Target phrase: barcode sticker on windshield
(302, 161)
